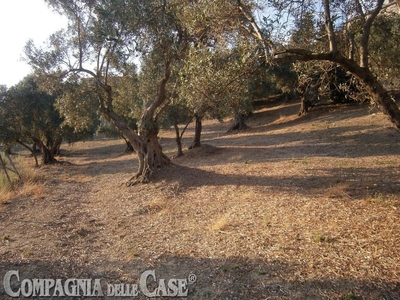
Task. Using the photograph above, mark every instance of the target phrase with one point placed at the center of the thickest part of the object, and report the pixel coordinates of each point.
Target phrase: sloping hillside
(292, 208)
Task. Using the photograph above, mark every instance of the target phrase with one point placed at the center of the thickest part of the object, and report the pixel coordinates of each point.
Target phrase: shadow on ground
(360, 182)
(228, 278)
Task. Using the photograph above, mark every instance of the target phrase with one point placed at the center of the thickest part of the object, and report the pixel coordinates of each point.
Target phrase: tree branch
(161, 91)
(269, 47)
(364, 53)
(329, 27)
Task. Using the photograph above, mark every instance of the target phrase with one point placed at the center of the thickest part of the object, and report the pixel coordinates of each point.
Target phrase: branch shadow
(359, 182)
(343, 142)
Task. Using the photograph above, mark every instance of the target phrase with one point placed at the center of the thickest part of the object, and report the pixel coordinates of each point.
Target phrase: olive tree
(339, 44)
(28, 116)
(102, 41)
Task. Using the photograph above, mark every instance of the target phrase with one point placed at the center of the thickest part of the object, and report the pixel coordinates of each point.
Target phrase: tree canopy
(334, 39)
(133, 58)
(29, 117)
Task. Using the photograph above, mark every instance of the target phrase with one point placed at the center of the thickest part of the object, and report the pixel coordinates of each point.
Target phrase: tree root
(143, 177)
(166, 160)
(194, 145)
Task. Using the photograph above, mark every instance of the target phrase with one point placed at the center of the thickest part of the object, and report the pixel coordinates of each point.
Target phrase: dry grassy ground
(292, 208)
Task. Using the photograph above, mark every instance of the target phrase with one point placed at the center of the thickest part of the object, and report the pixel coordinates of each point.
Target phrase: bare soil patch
(291, 208)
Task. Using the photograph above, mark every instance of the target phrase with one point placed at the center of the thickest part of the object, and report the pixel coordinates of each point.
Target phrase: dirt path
(293, 208)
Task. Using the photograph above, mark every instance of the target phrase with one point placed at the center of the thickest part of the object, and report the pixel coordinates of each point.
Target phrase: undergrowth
(27, 181)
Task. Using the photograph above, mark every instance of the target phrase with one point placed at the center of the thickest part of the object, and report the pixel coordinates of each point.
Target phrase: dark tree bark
(150, 156)
(7, 150)
(197, 133)
(304, 106)
(48, 157)
(128, 149)
(3, 166)
(178, 137)
(178, 140)
(305, 103)
(56, 146)
(238, 123)
(146, 144)
(33, 150)
(47, 154)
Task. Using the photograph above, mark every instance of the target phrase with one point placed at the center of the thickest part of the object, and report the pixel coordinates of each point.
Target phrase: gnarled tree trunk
(128, 149)
(55, 148)
(383, 98)
(178, 140)
(146, 145)
(47, 155)
(150, 157)
(197, 133)
(33, 150)
(374, 88)
(238, 123)
(308, 96)
(304, 106)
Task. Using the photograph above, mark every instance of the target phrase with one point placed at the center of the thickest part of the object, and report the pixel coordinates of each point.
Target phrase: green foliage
(28, 113)
(384, 40)
(175, 114)
(104, 42)
(152, 68)
(216, 81)
(327, 82)
(305, 29)
(341, 85)
(127, 101)
(350, 296)
(78, 104)
(300, 28)
(5, 130)
(269, 80)
(215, 68)
(384, 45)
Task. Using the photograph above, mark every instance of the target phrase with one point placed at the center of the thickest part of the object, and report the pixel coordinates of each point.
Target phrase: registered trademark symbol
(192, 278)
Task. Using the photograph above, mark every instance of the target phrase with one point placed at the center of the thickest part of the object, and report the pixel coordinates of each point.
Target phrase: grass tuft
(350, 296)
(322, 238)
(158, 205)
(267, 220)
(30, 183)
(220, 224)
